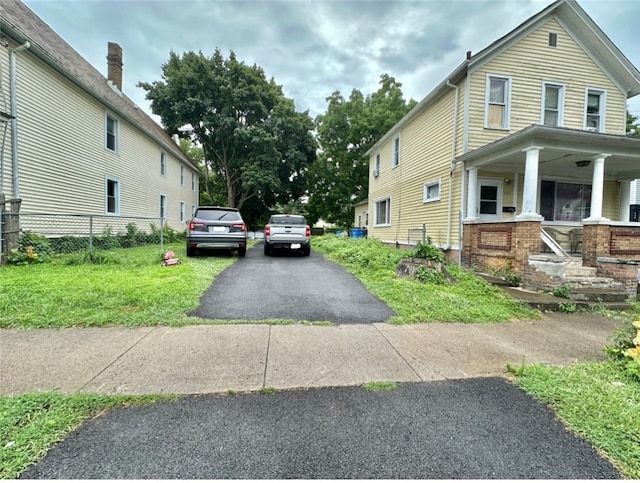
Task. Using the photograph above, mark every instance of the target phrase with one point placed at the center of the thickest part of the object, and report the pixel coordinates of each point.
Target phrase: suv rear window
(287, 220)
(214, 214)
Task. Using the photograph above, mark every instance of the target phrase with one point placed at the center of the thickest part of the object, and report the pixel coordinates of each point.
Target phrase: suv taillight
(192, 225)
(307, 232)
(242, 226)
(267, 230)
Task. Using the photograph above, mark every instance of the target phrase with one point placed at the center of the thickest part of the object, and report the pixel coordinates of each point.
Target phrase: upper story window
(111, 133)
(431, 191)
(163, 164)
(497, 102)
(181, 175)
(383, 212)
(395, 156)
(594, 110)
(552, 104)
(553, 39)
(376, 168)
(194, 182)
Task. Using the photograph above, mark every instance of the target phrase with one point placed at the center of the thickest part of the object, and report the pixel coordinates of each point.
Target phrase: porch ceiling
(562, 148)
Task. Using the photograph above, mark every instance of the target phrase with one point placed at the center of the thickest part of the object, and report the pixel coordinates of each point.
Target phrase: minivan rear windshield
(205, 214)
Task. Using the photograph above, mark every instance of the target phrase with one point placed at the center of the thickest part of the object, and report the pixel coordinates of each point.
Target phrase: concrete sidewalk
(218, 358)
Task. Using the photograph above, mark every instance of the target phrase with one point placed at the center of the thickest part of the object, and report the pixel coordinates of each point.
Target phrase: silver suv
(216, 228)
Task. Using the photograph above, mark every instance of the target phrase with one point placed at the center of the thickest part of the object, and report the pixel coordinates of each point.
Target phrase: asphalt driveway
(289, 286)
(457, 429)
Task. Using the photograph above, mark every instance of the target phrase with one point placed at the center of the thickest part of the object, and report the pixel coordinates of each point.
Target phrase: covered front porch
(553, 194)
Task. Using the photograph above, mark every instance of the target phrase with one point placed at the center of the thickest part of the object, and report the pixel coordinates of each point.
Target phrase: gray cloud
(312, 47)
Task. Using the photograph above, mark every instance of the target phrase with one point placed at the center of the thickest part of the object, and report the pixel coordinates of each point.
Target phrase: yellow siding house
(529, 130)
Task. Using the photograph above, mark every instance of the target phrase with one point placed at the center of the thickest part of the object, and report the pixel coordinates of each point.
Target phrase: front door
(490, 198)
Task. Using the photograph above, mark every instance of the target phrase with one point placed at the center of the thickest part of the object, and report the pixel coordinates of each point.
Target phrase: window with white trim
(182, 212)
(194, 182)
(552, 104)
(163, 164)
(112, 196)
(594, 110)
(111, 133)
(431, 191)
(383, 212)
(163, 206)
(395, 156)
(181, 175)
(497, 102)
(376, 169)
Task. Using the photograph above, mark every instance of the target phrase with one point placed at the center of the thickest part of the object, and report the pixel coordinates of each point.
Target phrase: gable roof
(577, 23)
(22, 25)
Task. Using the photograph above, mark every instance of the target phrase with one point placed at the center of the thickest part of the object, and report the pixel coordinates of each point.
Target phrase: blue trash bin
(357, 232)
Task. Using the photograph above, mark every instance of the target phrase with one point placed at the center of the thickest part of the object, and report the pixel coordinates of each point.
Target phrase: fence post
(424, 233)
(90, 233)
(161, 234)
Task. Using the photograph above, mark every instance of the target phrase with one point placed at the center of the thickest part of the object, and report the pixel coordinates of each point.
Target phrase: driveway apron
(289, 286)
(470, 429)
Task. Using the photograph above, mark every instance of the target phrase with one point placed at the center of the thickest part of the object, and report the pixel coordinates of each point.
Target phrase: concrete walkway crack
(266, 359)
(399, 353)
(116, 359)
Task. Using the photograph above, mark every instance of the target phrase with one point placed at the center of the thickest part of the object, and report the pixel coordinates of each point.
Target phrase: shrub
(563, 291)
(624, 348)
(430, 275)
(428, 251)
(31, 248)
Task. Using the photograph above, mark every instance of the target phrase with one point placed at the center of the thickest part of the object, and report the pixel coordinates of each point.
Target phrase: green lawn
(132, 288)
(470, 300)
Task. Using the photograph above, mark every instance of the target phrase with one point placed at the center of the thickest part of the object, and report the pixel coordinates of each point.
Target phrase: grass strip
(596, 400)
(31, 423)
(470, 300)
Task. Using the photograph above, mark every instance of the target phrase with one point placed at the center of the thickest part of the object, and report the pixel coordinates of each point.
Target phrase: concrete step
(572, 270)
(608, 295)
(594, 282)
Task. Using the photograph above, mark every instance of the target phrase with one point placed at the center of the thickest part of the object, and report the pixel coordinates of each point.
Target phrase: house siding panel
(425, 155)
(530, 62)
(64, 161)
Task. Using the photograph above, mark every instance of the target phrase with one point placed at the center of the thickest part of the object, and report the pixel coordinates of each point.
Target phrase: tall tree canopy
(252, 137)
(339, 178)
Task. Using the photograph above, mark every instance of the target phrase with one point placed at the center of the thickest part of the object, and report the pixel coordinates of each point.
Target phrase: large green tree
(339, 178)
(253, 139)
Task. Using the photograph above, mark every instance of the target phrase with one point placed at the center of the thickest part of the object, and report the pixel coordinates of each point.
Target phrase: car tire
(242, 251)
(267, 249)
(306, 251)
(191, 252)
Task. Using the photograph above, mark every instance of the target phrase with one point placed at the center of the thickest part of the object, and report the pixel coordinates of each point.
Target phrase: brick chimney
(114, 62)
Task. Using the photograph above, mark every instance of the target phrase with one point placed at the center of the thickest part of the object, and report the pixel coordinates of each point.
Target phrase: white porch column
(530, 188)
(472, 194)
(625, 200)
(597, 188)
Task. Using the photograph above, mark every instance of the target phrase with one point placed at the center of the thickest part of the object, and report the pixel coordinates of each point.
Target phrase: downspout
(14, 120)
(454, 149)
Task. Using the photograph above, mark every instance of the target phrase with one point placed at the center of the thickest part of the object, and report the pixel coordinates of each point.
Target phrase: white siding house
(71, 142)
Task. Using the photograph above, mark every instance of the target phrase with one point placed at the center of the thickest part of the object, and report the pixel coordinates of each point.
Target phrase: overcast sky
(313, 47)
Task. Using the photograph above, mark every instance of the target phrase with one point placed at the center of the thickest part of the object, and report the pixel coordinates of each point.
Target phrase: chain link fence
(71, 233)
